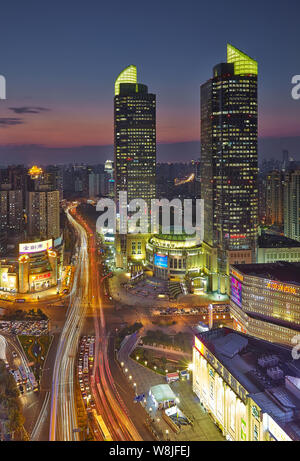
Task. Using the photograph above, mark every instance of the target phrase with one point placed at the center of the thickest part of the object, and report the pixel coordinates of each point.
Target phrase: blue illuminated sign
(161, 260)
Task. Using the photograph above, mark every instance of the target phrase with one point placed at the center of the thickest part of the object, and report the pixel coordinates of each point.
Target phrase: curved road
(63, 419)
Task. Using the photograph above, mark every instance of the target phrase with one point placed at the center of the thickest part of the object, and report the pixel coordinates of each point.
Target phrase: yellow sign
(237, 275)
(280, 287)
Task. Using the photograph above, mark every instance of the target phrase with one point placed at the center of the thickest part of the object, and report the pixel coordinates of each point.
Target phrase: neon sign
(280, 287)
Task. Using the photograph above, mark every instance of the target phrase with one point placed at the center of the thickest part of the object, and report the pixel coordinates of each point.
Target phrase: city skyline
(69, 111)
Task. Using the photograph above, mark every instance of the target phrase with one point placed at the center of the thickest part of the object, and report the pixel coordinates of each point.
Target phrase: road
(108, 401)
(63, 418)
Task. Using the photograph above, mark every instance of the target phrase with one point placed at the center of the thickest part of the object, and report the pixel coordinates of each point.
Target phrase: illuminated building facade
(292, 205)
(265, 300)
(39, 266)
(171, 256)
(134, 137)
(43, 214)
(229, 159)
(250, 387)
(11, 211)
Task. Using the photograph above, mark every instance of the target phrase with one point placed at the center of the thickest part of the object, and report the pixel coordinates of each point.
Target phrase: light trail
(2, 348)
(63, 419)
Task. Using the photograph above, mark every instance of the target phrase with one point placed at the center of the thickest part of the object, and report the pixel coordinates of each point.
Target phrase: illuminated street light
(126, 369)
(191, 366)
(122, 364)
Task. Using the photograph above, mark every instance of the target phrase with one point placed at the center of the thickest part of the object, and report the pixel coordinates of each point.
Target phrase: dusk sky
(60, 60)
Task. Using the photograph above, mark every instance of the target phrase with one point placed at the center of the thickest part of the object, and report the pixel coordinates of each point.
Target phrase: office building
(134, 137)
(229, 159)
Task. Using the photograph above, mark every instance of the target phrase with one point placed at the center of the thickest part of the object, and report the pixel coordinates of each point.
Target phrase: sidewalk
(121, 295)
(203, 428)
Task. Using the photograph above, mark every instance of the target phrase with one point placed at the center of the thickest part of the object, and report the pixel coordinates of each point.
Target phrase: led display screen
(236, 291)
(161, 260)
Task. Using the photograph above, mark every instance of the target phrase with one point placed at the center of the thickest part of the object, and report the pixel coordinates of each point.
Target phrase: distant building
(250, 387)
(274, 198)
(11, 211)
(292, 205)
(265, 300)
(273, 248)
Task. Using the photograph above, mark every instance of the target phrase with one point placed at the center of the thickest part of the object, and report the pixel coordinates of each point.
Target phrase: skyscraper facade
(134, 137)
(274, 198)
(229, 159)
(292, 205)
(42, 205)
(43, 214)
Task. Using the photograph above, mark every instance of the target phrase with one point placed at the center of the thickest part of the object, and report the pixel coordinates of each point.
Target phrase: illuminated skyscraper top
(128, 75)
(135, 138)
(243, 64)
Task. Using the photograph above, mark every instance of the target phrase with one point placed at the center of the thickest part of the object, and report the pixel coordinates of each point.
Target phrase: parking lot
(24, 327)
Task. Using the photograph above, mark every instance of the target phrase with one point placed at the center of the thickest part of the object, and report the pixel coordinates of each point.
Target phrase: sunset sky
(60, 60)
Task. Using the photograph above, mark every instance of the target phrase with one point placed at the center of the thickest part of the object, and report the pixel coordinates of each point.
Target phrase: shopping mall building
(37, 267)
(265, 300)
(250, 387)
(170, 257)
(177, 256)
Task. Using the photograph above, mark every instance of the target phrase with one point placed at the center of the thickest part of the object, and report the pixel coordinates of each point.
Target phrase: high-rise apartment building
(11, 211)
(292, 205)
(229, 166)
(134, 137)
(43, 214)
(42, 205)
(274, 198)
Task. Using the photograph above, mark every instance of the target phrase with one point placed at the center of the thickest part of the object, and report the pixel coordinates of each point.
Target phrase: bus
(102, 426)
(23, 374)
(32, 381)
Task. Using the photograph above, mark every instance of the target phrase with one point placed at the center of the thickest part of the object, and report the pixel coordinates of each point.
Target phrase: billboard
(236, 291)
(35, 247)
(160, 260)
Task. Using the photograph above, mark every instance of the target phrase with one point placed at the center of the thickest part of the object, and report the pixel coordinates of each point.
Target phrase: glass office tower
(134, 137)
(229, 159)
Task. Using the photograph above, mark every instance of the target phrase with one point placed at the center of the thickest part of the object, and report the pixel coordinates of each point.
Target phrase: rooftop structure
(262, 375)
